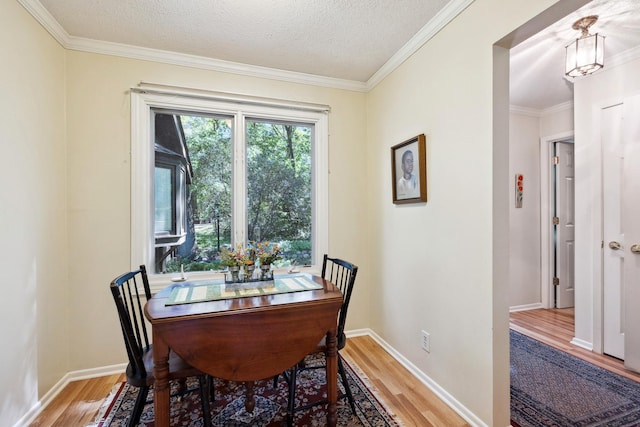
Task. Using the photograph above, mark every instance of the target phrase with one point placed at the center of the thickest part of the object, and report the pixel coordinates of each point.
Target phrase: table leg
(332, 379)
(161, 387)
(250, 399)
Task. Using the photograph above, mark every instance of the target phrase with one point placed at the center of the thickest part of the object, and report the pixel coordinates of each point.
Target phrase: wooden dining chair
(126, 295)
(343, 274)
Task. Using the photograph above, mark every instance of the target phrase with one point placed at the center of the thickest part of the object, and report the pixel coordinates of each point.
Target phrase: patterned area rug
(270, 410)
(552, 388)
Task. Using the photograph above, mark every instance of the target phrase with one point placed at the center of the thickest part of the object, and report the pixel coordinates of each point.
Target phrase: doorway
(563, 223)
(557, 204)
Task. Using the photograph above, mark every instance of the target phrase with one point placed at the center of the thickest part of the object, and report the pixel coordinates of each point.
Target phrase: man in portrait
(407, 184)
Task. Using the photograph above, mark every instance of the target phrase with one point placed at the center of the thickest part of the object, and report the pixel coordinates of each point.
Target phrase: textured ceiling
(333, 38)
(350, 40)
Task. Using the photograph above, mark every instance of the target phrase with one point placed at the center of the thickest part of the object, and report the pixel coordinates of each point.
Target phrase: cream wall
(555, 124)
(529, 248)
(33, 255)
(524, 222)
(557, 121)
(433, 265)
(99, 184)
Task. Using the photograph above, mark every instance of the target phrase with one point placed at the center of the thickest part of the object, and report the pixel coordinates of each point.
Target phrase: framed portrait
(409, 171)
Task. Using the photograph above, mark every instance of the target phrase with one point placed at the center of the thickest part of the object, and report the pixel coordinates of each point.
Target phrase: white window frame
(142, 160)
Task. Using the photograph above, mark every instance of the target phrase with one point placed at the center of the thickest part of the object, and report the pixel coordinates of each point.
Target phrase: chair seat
(178, 368)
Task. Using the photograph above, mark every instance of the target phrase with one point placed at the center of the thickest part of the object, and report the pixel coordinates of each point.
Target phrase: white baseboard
(582, 343)
(358, 333)
(31, 415)
(83, 374)
(525, 307)
(447, 398)
(575, 341)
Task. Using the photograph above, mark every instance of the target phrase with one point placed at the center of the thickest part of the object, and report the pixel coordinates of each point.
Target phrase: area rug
(553, 388)
(270, 410)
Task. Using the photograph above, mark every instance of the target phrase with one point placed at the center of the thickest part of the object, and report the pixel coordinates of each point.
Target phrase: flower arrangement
(267, 253)
(250, 256)
(236, 258)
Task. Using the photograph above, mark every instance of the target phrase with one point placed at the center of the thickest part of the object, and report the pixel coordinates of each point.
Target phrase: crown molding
(35, 8)
(534, 112)
(194, 61)
(42, 15)
(438, 22)
(554, 109)
(623, 57)
(525, 111)
(446, 15)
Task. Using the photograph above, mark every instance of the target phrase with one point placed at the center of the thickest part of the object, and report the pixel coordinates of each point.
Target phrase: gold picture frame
(409, 171)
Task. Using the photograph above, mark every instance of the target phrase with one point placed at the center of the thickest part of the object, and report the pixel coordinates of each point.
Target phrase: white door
(565, 227)
(631, 226)
(612, 230)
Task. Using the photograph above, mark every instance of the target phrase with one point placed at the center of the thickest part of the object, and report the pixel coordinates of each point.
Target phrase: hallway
(555, 327)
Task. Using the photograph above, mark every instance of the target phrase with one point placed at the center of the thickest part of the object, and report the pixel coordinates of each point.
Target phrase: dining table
(243, 332)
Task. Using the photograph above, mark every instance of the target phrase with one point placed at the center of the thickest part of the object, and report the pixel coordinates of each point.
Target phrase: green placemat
(217, 290)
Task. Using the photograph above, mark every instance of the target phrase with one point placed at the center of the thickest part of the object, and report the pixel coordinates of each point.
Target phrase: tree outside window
(268, 194)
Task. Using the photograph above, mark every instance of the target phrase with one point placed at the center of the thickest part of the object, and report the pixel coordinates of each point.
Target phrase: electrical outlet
(426, 341)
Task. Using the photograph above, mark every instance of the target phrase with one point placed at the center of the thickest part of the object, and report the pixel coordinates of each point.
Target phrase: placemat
(214, 290)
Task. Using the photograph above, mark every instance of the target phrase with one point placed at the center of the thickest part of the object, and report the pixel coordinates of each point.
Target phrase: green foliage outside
(278, 189)
(279, 182)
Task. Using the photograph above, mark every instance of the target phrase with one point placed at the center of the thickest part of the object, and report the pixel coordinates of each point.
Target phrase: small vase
(235, 274)
(248, 272)
(265, 272)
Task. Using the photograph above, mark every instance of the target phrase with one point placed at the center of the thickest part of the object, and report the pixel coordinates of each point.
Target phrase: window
(209, 174)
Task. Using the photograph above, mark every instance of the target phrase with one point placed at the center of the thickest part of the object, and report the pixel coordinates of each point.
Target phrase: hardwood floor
(405, 395)
(78, 403)
(555, 327)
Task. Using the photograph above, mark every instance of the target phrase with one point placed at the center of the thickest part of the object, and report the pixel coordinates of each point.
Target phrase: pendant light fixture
(586, 54)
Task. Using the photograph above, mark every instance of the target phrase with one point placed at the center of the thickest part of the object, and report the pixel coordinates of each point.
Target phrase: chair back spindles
(127, 297)
(342, 274)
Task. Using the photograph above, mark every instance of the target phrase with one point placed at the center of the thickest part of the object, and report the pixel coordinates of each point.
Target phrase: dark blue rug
(552, 388)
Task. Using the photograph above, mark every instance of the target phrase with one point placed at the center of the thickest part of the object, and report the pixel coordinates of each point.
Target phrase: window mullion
(239, 181)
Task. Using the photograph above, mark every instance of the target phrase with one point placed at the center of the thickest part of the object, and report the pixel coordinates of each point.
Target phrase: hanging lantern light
(586, 54)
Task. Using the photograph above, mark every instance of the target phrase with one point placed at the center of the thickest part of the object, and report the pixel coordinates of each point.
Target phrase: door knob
(635, 249)
(616, 246)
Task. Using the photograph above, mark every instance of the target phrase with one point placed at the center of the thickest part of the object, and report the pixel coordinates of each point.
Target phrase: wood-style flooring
(78, 403)
(404, 394)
